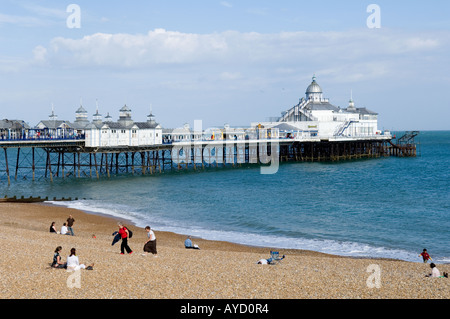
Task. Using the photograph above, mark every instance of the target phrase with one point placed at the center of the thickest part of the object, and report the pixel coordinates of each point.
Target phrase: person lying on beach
(188, 244)
(57, 262)
(73, 264)
(263, 262)
(270, 261)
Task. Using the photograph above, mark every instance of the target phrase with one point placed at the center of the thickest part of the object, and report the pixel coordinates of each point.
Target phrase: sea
(387, 207)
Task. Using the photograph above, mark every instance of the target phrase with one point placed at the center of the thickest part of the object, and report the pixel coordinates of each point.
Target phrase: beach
(219, 270)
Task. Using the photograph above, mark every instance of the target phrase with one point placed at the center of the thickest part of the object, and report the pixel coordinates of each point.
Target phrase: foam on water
(341, 248)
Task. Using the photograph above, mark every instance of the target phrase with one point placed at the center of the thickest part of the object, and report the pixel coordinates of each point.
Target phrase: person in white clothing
(64, 230)
(150, 244)
(73, 264)
(434, 271)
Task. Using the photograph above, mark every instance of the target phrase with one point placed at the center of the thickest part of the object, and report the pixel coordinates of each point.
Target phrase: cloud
(44, 11)
(230, 76)
(359, 53)
(37, 16)
(141, 50)
(40, 54)
(25, 21)
(226, 4)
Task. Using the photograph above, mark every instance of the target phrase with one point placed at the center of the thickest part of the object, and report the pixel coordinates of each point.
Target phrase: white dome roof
(314, 87)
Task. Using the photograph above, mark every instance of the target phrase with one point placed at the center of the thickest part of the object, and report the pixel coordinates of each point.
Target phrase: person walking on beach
(57, 262)
(150, 244)
(124, 234)
(70, 222)
(73, 262)
(425, 256)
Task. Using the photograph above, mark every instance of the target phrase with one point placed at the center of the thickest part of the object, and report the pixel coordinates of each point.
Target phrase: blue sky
(223, 62)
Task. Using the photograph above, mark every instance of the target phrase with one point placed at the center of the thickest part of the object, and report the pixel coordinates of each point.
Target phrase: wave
(334, 247)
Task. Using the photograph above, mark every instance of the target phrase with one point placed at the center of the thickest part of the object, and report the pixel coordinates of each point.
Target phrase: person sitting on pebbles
(73, 263)
(57, 262)
(189, 245)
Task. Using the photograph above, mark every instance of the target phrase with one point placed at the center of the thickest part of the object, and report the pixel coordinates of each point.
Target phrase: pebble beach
(219, 270)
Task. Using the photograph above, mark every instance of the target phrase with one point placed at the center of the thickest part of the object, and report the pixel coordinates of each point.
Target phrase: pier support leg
(17, 164)
(33, 166)
(7, 167)
(95, 163)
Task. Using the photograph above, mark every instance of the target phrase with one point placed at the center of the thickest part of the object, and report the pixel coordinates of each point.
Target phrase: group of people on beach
(123, 234)
(66, 228)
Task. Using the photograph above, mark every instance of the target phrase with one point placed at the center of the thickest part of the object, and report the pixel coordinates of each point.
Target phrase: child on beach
(425, 256)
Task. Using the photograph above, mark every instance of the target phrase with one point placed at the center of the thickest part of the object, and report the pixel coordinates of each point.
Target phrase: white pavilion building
(315, 117)
(124, 132)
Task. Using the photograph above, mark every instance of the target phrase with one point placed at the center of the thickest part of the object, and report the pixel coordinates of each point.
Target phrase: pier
(71, 158)
(405, 146)
(314, 130)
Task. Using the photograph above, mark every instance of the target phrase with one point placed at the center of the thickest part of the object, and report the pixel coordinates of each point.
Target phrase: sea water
(386, 207)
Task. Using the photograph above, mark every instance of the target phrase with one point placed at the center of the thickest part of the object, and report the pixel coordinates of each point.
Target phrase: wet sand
(219, 270)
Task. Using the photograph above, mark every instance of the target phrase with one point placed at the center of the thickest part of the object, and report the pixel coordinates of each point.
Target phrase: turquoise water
(387, 207)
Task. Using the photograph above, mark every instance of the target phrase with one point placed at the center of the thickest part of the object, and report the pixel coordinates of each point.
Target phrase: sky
(224, 62)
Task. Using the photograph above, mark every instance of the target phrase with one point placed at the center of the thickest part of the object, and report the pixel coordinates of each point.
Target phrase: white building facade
(315, 117)
(124, 132)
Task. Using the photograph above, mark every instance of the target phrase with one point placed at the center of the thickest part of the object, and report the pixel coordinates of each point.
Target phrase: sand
(219, 270)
